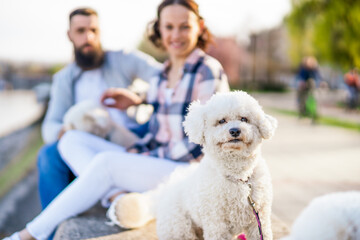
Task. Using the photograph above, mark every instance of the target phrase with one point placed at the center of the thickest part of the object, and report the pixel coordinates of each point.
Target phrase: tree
(327, 29)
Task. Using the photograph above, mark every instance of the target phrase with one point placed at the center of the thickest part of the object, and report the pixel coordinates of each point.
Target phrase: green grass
(325, 120)
(20, 166)
(344, 106)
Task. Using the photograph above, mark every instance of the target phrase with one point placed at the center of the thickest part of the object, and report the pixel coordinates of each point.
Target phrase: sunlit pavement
(308, 160)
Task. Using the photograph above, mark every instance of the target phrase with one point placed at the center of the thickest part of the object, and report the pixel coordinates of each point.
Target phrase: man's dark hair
(82, 11)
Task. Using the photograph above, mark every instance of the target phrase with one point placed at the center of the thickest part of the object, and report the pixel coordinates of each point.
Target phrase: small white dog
(329, 217)
(212, 200)
(92, 117)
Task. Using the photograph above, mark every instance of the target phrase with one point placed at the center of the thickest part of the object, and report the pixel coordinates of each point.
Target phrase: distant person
(352, 82)
(307, 79)
(189, 74)
(93, 71)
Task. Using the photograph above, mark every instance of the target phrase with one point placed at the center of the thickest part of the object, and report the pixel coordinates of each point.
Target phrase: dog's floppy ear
(194, 123)
(267, 126)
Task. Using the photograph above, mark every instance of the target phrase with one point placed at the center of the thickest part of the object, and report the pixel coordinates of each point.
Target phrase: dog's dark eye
(222, 121)
(244, 119)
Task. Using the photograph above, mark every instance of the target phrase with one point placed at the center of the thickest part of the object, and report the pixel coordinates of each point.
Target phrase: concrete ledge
(92, 226)
(84, 227)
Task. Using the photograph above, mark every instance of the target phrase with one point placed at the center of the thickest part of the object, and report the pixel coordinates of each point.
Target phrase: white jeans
(101, 167)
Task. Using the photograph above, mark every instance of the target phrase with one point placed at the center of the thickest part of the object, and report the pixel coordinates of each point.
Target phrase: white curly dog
(211, 200)
(329, 217)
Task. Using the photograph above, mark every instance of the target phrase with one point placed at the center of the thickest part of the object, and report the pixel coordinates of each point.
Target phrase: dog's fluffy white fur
(90, 116)
(329, 217)
(210, 200)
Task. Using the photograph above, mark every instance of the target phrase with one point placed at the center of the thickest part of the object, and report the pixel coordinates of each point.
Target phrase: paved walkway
(308, 160)
(18, 109)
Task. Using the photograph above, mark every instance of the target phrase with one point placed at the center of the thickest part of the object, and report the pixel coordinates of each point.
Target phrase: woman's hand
(120, 98)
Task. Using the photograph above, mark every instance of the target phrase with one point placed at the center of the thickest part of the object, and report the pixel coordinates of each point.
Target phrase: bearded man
(93, 71)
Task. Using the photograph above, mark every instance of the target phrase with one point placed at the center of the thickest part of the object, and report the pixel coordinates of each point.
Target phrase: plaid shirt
(202, 77)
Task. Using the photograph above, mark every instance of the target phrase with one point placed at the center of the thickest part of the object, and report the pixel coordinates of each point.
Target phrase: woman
(188, 75)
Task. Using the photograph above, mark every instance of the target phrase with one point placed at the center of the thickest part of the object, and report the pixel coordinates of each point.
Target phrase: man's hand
(121, 98)
(61, 133)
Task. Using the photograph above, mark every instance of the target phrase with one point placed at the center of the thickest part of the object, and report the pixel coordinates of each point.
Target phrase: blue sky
(36, 30)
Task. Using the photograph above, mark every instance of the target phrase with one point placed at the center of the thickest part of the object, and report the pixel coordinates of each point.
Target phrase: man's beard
(91, 60)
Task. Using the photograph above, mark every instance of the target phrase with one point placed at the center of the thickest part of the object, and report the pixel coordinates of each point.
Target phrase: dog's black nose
(235, 132)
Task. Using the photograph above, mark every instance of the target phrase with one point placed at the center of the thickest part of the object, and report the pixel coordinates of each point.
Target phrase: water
(12, 144)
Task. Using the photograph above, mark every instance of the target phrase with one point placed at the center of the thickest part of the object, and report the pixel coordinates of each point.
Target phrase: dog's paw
(132, 211)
